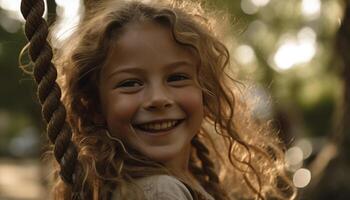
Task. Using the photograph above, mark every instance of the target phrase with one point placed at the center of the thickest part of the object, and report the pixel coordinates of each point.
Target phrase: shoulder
(164, 187)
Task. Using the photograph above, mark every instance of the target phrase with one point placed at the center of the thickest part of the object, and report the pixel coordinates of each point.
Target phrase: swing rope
(49, 92)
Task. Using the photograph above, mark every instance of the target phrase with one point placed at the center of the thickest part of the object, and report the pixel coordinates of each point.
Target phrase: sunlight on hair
(68, 13)
(311, 8)
(261, 108)
(302, 178)
(297, 50)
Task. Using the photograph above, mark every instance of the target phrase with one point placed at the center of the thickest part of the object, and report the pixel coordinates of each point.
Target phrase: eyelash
(183, 77)
(130, 83)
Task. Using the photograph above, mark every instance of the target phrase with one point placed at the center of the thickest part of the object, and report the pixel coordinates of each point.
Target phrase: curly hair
(234, 155)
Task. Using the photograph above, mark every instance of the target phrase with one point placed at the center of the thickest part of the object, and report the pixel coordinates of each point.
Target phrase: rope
(49, 93)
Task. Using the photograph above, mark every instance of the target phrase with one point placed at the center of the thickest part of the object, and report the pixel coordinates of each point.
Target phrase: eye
(129, 84)
(177, 77)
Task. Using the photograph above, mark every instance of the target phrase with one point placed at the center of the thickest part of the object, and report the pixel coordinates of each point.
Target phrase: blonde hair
(248, 159)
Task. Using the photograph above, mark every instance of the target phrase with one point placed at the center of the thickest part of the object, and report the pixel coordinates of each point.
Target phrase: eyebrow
(140, 70)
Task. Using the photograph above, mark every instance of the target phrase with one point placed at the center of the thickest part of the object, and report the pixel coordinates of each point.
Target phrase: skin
(148, 76)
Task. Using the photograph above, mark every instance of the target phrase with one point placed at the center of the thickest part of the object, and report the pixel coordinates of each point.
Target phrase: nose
(158, 98)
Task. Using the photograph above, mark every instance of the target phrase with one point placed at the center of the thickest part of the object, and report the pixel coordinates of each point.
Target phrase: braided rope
(212, 182)
(49, 93)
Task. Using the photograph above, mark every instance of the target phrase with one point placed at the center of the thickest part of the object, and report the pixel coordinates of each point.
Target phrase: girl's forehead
(147, 34)
(147, 43)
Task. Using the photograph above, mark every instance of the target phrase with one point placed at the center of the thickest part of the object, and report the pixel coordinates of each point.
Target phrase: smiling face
(149, 95)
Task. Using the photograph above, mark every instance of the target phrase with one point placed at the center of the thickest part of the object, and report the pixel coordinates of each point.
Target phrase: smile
(160, 126)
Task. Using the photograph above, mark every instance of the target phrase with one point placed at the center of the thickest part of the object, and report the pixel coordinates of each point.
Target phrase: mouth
(158, 126)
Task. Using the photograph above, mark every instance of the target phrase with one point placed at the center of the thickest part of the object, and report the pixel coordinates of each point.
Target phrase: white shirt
(164, 187)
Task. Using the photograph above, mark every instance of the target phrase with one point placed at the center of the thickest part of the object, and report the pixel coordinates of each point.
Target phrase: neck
(179, 164)
(179, 167)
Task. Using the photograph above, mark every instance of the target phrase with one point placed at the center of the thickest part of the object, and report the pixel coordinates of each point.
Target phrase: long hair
(234, 155)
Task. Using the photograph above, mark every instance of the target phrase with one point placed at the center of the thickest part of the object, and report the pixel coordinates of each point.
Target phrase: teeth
(158, 125)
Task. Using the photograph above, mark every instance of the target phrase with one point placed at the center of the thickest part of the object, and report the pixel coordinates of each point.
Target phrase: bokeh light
(311, 8)
(306, 147)
(244, 54)
(295, 50)
(12, 22)
(260, 3)
(12, 7)
(249, 7)
(69, 16)
(302, 177)
(254, 28)
(294, 156)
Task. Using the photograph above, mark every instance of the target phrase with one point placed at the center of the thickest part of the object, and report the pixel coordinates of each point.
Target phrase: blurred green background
(293, 51)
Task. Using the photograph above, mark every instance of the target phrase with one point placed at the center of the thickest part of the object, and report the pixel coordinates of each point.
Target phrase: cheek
(191, 101)
(120, 111)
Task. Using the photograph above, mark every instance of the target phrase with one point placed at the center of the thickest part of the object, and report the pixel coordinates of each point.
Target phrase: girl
(153, 111)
